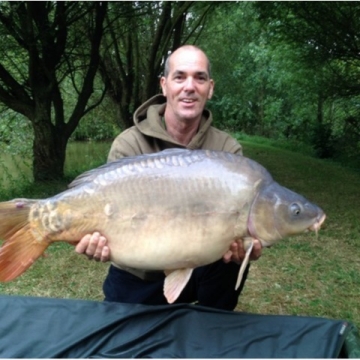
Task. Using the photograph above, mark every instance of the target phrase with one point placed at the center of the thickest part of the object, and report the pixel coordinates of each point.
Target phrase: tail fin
(21, 248)
(13, 216)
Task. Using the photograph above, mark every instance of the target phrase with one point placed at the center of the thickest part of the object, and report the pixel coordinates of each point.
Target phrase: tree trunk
(49, 149)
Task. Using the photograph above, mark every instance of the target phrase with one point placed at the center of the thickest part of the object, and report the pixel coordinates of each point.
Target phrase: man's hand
(237, 252)
(94, 246)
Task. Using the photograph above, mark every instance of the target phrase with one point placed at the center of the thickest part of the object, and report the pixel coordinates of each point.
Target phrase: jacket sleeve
(221, 141)
(125, 144)
(232, 146)
(132, 142)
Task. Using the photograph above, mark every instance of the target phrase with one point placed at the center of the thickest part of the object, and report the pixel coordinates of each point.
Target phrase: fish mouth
(317, 225)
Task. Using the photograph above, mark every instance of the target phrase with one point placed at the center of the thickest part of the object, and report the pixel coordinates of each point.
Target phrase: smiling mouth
(188, 101)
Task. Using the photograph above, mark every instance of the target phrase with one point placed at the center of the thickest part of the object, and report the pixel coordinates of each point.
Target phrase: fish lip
(317, 225)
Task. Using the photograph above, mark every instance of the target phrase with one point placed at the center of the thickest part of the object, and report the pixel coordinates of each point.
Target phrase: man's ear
(163, 85)
(211, 91)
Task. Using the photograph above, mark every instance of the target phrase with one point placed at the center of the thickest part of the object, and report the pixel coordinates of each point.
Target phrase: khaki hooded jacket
(149, 135)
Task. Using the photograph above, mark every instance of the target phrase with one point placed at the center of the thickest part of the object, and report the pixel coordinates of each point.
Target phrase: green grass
(304, 275)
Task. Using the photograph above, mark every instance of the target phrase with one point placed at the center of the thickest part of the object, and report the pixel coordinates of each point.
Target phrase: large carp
(173, 210)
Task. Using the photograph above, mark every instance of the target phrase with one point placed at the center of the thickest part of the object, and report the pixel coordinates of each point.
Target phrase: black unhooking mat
(62, 328)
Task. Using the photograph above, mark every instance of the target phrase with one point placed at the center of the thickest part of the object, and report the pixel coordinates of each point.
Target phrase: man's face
(188, 85)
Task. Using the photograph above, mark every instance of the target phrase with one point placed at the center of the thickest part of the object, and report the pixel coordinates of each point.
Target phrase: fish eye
(295, 209)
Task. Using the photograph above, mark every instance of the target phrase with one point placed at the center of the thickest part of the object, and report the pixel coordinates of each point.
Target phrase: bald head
(187, 86)
(185, 50)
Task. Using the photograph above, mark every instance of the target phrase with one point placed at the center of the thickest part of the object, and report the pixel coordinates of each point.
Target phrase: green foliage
(15, 133)
(94, 129)
(258, 88)
(267, 85)
(327, 35)
(99, 124)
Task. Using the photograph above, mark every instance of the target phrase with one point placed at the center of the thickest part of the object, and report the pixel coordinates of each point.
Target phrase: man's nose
(189, 84)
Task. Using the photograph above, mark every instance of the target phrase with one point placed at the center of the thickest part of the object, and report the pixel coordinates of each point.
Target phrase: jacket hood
(148, 119)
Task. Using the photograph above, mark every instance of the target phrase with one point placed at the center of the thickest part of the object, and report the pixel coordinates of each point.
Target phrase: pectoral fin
(175, 282)
(244, 265)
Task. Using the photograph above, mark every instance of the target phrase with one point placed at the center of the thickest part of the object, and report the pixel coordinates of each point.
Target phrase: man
(176, 119)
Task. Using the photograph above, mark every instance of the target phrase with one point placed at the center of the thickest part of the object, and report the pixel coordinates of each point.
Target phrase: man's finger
(98, 252)
(105, 254)
(83, 244)
(256, 251)
(227, 256)
(93, 244)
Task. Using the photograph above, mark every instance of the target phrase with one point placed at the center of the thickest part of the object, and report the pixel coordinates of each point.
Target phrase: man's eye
(202, 78)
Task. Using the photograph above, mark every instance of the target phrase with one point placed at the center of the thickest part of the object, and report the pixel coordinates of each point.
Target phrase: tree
(43, 43)
(258, 90)
(139, 37)
(281, 76)
(328, 33)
